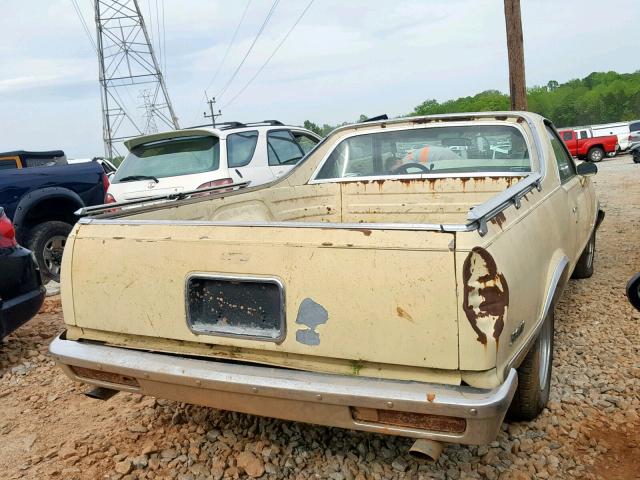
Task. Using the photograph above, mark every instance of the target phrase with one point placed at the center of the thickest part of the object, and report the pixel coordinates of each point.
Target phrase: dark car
(635, 151)
(21, 290)
(40, 192)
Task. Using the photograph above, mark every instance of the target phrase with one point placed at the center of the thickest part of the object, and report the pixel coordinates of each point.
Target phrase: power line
(226, 53)
(264, 24)
(224, 57)
(270, 56)
(76, 7)
(164, 43)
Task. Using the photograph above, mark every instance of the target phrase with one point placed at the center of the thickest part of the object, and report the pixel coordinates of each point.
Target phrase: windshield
(456, 149)
(170, 158)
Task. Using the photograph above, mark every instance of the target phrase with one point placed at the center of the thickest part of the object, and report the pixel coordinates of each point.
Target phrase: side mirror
(587, 169)
(633, 291)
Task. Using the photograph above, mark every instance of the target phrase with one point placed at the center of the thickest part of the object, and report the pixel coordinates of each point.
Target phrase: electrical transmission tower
(129, 69)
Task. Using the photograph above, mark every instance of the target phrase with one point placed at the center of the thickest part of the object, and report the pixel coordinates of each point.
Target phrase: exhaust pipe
(426, 450)
(101, 393)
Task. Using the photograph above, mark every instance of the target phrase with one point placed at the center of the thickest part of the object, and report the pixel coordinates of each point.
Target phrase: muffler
(101, 393)
(426, 450)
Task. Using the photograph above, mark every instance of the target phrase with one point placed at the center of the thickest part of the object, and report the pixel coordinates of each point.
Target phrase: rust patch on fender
(404, 314)
(365, 231)
(486, 294)
(499, 219)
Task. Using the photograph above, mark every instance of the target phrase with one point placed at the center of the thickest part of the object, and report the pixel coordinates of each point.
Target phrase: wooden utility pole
(517, 84)
(213, 114)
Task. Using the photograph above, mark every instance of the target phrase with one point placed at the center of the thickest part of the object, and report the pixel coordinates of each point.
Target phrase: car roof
(221, 130)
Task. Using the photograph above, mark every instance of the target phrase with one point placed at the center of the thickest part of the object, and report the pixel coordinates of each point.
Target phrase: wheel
(595, 154)
(633, 291)
(636, 158)
(584, 267)
(47, 241)
(534, 376)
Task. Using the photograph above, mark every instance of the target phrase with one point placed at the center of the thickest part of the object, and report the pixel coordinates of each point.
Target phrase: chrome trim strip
(282, 331)
(496, 204)
(446, 227)
(526, 345)
(97, 209)
(287, 384)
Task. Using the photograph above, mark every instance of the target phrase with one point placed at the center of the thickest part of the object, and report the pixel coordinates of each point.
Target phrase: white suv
(202, 157)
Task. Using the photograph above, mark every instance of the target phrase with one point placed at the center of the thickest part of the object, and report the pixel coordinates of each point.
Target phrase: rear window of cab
(171, 158)
(438, 150)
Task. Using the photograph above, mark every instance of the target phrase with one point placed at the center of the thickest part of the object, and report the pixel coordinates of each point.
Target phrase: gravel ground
(591, 429)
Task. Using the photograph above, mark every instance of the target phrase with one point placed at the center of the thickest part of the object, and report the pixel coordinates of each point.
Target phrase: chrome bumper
(324, 399)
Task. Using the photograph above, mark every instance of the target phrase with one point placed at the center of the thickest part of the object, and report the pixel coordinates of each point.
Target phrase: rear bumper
(318, 398)
(21, 290)
(19, 310)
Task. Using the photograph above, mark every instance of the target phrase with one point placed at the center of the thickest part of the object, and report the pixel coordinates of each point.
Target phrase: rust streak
(402, 313)
(499, 219)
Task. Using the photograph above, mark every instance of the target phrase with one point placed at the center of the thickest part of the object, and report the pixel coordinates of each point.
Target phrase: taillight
(108, 198)
(105, 184)
(7, 232)
(216, 183)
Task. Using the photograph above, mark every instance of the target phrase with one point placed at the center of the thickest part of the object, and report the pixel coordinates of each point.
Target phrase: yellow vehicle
(401, 280)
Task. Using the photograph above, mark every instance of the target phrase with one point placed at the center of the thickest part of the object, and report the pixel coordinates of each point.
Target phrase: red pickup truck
(584, 145)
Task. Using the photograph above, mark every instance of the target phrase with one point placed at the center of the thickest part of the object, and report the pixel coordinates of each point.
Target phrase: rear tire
(534, 376)
(595, 154)
(47, 241)
(584, 267)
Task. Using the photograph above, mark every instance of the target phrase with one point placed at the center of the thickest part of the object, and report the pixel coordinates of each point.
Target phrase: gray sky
(343, 59)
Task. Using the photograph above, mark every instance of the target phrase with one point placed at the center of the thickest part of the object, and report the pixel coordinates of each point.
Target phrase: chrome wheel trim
(596, 156)
(52, 253)
(544, 351)
(591, 248)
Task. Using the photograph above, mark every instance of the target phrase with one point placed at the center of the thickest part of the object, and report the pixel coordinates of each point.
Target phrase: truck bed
(419, 201)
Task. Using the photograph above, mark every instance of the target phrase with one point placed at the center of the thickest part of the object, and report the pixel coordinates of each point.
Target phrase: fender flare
(32, 198)
(555, 288)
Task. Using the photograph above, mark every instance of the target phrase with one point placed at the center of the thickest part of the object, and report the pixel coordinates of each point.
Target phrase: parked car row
(584, 145)
(627, 134)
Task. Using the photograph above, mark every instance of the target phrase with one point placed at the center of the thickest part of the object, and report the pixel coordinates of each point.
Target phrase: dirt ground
(591, 429)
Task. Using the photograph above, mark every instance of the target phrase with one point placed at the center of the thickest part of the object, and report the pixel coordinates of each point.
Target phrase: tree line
(601, 97)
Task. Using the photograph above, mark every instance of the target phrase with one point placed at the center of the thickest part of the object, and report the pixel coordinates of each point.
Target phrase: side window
(306, 142)
(634, 126)
(567, 136)
(240, 148)
(583, 134)
(8, 164)
(566, 167)
(283, 148)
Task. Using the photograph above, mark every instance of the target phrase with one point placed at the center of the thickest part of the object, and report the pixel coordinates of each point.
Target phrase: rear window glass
(8, 164)
(240, 148)
(171, 158)
(455, 149)
(634, 126)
